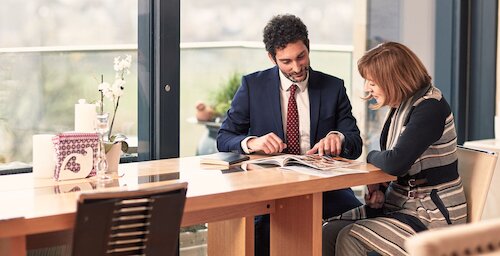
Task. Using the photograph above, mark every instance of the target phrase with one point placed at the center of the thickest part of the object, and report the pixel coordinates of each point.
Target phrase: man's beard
(289, 76)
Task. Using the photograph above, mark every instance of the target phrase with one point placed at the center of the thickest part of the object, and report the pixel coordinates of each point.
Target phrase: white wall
(418, 29)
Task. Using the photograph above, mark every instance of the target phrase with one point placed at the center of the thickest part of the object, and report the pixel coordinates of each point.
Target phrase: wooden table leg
(250, 236)
(13, 246)
(231, 237)
(296, 226)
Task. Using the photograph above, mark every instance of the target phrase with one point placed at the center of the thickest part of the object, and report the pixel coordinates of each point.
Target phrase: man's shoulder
(325, 82)
(261, 78)
(263, 73)
(324, 76)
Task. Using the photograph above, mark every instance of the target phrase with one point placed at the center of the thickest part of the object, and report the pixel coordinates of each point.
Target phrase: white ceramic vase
(113, 157)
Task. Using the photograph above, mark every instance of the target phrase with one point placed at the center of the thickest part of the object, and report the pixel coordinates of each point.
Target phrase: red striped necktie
(292, 124)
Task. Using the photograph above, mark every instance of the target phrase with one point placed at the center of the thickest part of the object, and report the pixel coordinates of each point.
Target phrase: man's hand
(375, 197)
(269, 144)
(329, 145)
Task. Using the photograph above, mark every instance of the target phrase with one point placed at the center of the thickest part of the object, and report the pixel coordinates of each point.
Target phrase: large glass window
(53, 53)
(56, 57)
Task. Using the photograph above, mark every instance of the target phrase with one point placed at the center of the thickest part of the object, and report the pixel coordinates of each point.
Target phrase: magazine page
(311, 161)
(321, 162)
(273, 160)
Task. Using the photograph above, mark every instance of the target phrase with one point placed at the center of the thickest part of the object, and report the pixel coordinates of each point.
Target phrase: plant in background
(114, 91)
(221, 99)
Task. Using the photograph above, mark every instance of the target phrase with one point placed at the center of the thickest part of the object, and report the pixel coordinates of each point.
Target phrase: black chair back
(142, 222)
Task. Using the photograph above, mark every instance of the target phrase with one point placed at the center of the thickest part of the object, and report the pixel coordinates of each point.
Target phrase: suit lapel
(314, 103)
(273, 93)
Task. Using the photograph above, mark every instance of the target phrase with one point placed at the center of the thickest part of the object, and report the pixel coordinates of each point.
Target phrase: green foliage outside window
(221, 99)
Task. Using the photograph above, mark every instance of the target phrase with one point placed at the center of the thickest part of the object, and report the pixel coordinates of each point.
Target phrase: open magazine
(313, 161)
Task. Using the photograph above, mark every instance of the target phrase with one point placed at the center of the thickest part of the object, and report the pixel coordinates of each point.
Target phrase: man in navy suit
(257, 119)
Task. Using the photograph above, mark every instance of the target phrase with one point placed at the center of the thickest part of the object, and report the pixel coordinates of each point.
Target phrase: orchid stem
(102, 96)
(113, 119)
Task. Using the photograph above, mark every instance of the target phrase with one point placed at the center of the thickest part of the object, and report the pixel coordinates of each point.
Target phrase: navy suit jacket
(256, 111)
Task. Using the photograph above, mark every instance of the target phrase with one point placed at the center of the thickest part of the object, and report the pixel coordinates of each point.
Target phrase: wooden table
(226, 200)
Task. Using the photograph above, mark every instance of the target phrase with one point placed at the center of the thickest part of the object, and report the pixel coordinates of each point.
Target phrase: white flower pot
(113, 157)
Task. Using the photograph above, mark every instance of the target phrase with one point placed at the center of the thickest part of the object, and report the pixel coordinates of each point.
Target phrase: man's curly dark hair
(282, 30)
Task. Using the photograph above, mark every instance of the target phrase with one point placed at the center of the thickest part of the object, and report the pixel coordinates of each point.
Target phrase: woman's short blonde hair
(396, 70)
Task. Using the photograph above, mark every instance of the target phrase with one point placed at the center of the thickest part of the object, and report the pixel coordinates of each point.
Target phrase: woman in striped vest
(418, 145)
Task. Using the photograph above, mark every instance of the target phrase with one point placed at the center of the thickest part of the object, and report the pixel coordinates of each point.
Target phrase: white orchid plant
(115, 90)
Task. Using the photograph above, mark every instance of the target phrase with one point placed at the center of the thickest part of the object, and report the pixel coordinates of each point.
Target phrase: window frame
(159, 79)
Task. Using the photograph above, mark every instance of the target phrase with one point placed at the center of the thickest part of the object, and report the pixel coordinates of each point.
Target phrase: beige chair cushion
(476, 168)
(481, 238)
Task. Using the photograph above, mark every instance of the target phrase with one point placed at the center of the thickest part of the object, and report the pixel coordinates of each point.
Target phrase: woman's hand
(375, 198)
